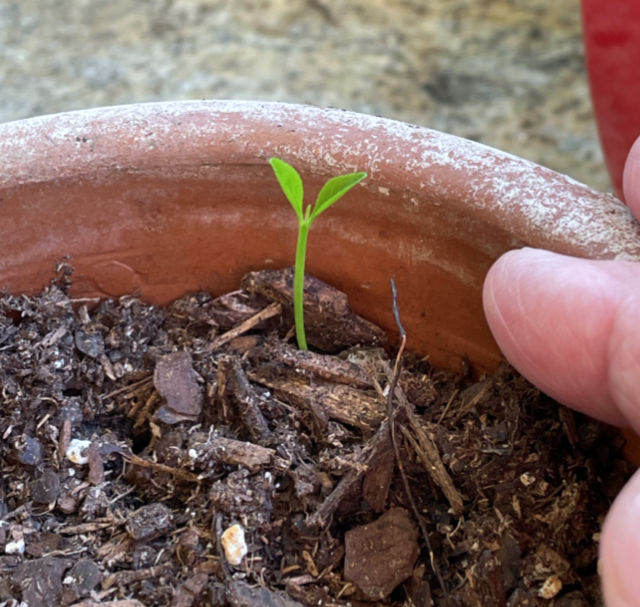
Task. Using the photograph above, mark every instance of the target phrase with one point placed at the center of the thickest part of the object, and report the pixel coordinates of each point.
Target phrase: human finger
(571, 327)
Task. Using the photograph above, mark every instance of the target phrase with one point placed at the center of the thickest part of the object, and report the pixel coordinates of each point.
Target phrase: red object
(612, 45)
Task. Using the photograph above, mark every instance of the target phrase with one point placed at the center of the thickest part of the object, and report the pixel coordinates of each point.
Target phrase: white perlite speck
(233, 544)
(78, 451)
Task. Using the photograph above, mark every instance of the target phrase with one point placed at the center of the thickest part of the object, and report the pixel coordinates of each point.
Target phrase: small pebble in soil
(527, 479)
(78, 451)
(29, 451)
(15, 547)
(550, 587)
(234, 544)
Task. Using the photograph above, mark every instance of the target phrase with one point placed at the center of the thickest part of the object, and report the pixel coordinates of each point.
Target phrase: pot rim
(543, 208)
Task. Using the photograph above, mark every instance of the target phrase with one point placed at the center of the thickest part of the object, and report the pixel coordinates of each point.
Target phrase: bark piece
(326, 400)
(330, 323)
(43, 543)
(96, 465)
(45, 489)
(41, 580)
(351, 482)
(149, 522)
(207, 450)
(174, 379)
(429, 455)
(377, 481)
(324, 366)
(83, 577)
(187, 594)
(234, 385)
(64, 439)
(381, 555)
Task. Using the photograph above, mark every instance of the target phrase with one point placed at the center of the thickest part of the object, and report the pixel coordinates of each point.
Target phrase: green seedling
(291, 184)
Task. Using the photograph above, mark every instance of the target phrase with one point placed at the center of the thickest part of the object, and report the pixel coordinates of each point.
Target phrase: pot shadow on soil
(133, 436)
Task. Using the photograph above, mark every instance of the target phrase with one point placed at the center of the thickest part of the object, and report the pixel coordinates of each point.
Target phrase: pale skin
(572, 327)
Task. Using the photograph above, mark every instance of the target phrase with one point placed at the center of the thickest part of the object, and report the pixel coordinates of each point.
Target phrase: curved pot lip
(538, 206)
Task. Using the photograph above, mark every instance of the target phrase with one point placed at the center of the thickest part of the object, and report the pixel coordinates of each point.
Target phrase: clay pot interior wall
(163, 199)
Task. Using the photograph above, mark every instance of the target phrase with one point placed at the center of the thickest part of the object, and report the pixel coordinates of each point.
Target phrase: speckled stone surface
(508, 73)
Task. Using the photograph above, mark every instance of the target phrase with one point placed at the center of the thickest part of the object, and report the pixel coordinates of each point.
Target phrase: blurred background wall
(508, 73)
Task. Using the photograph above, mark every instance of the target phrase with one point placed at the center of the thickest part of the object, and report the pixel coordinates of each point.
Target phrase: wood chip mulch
(192, 455)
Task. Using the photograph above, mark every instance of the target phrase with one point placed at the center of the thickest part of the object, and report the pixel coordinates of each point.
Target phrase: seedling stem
(291, 184)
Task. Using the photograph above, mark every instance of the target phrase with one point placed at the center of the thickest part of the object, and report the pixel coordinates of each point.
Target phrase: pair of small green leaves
(291, 184)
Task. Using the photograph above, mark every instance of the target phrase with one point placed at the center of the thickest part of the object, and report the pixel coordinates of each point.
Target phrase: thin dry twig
(391, 412)
(430, 457)
(89, 527)
(447, 406)
(270, 311)
(130, 387)
(176, 472)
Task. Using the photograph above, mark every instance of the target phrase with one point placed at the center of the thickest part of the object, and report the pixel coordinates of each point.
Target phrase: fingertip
(631, 179)
(620, 548)
(551, 316)
(501, 298)
(513, 288)
(624, 359)
(516, 303)
(502, 286)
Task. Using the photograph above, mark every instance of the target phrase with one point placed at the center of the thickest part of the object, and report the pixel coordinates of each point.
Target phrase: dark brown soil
(203, 415)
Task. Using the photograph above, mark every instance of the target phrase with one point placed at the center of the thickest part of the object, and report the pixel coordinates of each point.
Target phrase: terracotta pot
(167, 198)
